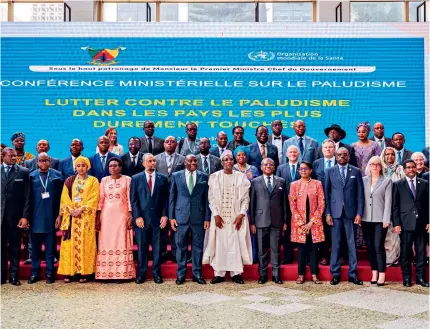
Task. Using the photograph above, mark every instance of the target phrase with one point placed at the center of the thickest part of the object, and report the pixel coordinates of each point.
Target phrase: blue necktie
(293, 172)
(103, 161)
(328, 164)
(6, 171)
(269, 185)
(414, 192)
(342, 175)
(399, 157)
(301, 147)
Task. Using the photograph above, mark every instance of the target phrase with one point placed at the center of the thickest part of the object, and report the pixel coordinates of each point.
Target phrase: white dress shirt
(278, 144)
(336, 146)
(203, 162)
(153, 179)
(271, 180)
(380, 141)
(136, 157)
(187, 176)
(332, 162)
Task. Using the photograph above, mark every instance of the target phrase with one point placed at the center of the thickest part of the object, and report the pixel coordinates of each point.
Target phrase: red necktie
(150, 184)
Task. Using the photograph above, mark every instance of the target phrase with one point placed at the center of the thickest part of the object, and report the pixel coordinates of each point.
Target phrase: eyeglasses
(410, 167)
(374, 165)
(43, 160)
(304, 169)
(228, 159)
(268, 165)
(192, 129)
(113, 166)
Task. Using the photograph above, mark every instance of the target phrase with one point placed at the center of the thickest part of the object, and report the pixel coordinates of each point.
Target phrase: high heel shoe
(380, 284)
(373, 282)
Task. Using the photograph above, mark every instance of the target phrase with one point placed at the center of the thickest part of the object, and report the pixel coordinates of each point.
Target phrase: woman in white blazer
(376, 217)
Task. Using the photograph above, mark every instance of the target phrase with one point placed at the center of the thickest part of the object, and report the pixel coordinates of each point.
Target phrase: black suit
(129, 168)
(406, 155)
(157, 145)
(387, 141)
(216, 151)
(412, 214)
(352, 158)
(32, 164)
(268, 212)
(15, 204)
(213, 162)
(425, 151)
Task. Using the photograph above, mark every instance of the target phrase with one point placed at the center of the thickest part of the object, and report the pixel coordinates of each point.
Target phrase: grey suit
(157, 145)
(268, 212)
(214, 164)
(177, 165)
(310, 147)
(377, 204)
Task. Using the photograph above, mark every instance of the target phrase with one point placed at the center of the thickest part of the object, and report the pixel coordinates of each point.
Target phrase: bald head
(300, 128)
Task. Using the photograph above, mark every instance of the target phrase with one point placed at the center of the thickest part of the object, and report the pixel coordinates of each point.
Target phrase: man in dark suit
(66, 166)
(46, 185)
(410, 216)
(268, 212)
(398, 142)
(42, 146)
(289, 172)
(336, 134)
(426, 176)
(99, 161)
(149, 142)
(15, 211)
(238, 133)
(425, 151)
(133, 159)
(379, 136)
(262, 149)
(189, 210)
(344, 192)
(222, 140)
(277, 139)
(149, 197)
(206, 162)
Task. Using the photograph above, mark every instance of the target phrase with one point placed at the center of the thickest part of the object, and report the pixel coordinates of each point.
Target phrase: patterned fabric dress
(115, 254)
(20, 159)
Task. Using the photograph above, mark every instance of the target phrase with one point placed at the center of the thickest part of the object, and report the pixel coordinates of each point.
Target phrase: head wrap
(225, 153)
(243, 149)
(366, 125)
(17, 135)
(82, 159)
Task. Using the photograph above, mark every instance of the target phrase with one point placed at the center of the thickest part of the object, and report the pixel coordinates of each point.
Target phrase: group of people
(234, 202)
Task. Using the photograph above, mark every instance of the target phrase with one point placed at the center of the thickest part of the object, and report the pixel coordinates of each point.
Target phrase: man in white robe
(229, 243)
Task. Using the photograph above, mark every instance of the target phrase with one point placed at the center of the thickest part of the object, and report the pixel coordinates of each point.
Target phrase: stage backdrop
(59, 88)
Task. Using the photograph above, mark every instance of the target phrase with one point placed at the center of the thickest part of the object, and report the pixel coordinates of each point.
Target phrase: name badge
(78, 199)
(45, 195)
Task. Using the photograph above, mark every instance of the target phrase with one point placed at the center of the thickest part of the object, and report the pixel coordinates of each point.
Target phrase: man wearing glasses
(191, 144)
(149, 142)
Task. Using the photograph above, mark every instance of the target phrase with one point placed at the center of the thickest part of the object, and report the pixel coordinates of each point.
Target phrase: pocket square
(352, 177)
(18, 180)
(280, 188)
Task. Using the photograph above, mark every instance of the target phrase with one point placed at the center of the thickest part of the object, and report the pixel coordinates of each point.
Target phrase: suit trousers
(12, 234)
(288, 245)
(407, 238)
(375, 234)
(143, 237)
(37, 239)
(198, 237)
(324, 247)
(340, 225)
(305, 249)
(268, 237)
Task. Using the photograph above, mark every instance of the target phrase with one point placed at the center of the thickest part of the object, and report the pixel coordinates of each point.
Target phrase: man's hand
(163, 222)
(206, 224)
(253, 229)
(140, 222)
(357, 220)
(173, 224)
(428, 228)
(77, 213)
(219, 222)
(285, 227)
(58, 221)
(329, 220)
(238, 221)
(397, 229)
(385, 225)
(23, 223)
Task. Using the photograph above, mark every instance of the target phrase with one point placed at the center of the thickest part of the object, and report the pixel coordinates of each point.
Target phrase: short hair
(267, 159)
(204, 138)
(147, 121)
(103, 136)
(134, 137)
(118, 160)
(397, 133)
(190, 155)
(190, 123)
(408, 161)
(108, 131)
(417, 154)
(43, 154)
(220, 132)
(174, 138)
(372, 160)
(261, 126)
(7, 149)
(328, 140)
(308, 164)
(237, 127)
(242, 148)
(342, 149)
(80, 141)
(293, 146)
(146, 155)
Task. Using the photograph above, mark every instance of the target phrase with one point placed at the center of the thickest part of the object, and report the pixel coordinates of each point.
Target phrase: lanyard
(45, 186)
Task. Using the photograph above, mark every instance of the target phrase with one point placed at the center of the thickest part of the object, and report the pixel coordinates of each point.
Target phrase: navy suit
(66, 167)
(351, 150)
(151, 209)
(128, 168)
(44, 212)
(190, 212)
(215, 151)
(96, 165)
(255, 157)
(319, 170)
(343, 203)
(32, 164)
(285, 172)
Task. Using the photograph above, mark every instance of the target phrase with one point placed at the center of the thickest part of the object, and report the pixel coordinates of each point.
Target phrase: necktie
(269, 185)
(205, 165)
(6, 170)
(133, 159)
(191, 183)
(103, 161)
(169, 164)
(301, 147)
(150, 184)
(399, 157)
(293, 172)
(342, 175)
(263, 151)
(414, 192)
(150, 145)
(328, 164)
(277, 137)
(222, 151)
(382, 143)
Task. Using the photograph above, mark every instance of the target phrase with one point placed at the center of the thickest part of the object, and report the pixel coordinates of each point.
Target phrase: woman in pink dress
(115, 224)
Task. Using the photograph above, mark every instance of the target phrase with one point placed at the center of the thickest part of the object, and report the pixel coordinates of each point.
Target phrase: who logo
(261, 56)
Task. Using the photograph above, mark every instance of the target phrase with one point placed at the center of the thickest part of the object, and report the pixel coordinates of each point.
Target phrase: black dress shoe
(14, 281)
(158, 279)
(277, 280)
(50, 279)
(422, 283)
(217, 279)
(189, 260)
(237, 279)
(335, 281)
(27, 261)
(355, 281)
(407, 283)
(33, 279)
(140, 280)
(199, 280)
(180, 281)
(287, 261)
(262, 280)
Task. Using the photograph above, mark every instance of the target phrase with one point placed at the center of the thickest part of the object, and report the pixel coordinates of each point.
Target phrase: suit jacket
(214, 163)
(32, 164)
(189, 208)
(318, 169)
(177, 165)
(377, 204)
(255, 155)
(310, 146)
(232, 146)
(150, 208)
(388, 142)
(408, 212)
(426, 176)
(406, 155)
(425, 151)
(96, 165)
(348, 198)
(15, 194)
(128, 168)
(283, 138)
(157, 148)
(268, 209)
(44, 212)
(66, 167)
(352, 158)
(284, 172)
(215, 151)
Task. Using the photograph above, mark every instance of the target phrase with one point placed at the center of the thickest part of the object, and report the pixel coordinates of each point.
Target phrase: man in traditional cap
(18, 141)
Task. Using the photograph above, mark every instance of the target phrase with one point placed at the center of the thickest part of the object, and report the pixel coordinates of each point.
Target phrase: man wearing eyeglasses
(149, 142)
(133, 159)
(410, 217)
(190, 144)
